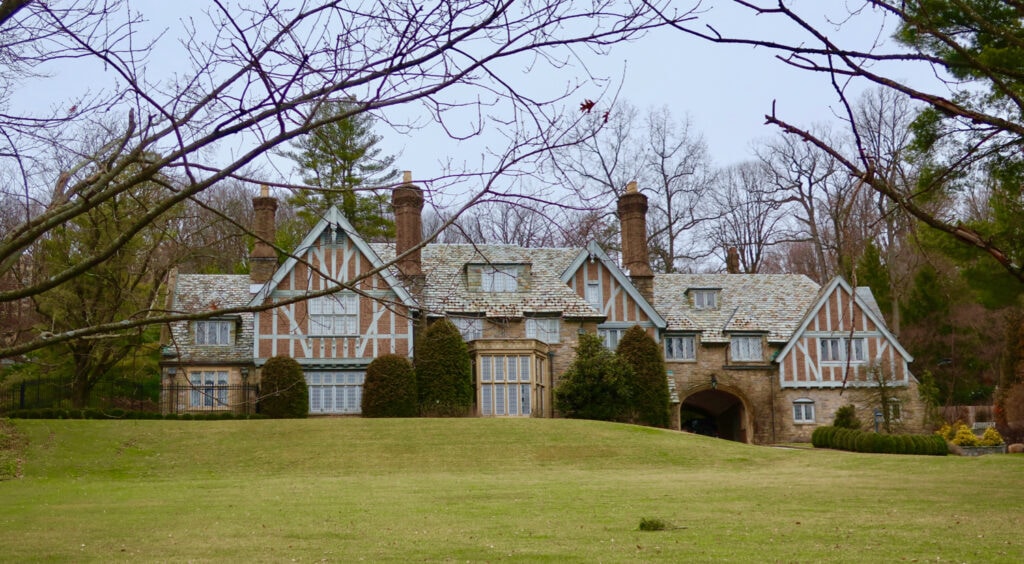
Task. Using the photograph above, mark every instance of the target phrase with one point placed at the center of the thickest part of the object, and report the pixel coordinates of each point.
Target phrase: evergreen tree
(650, 383)
(597, 385)
(874, 274)
(341, 163)
(390, 388)
(444, 375)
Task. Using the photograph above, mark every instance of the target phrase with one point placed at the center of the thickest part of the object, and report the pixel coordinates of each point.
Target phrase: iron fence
(58, 393)
(205, 398)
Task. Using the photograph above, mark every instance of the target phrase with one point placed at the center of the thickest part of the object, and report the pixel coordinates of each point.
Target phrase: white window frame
(592, 293)
(499, 279)
(611, 336)
(681, 347)
(334, 315)
(506, 385)
(544, 329)
(471, 328)
(209, 389)
(833, 349)
(705, 299)
(335, 391)
(803, 411)
(746, 348)
(216, 332)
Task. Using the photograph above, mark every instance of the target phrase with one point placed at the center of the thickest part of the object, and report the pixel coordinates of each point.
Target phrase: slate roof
(446, 289)
(773, 304)
(194, 293)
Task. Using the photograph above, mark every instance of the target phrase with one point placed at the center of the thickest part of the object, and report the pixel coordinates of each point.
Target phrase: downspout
(551, 379)
(771, 393)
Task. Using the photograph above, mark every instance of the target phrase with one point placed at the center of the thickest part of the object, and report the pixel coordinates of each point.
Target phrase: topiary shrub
(390, 388)
(846, 418)
(283, 390)
(444, 377)
(597, 385)
(650, 383)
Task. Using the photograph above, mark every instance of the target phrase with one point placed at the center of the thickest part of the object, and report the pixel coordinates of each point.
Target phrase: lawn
(342, 490)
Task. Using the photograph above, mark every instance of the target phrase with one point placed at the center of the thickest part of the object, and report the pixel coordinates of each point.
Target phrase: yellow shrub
(991, 438)
(965, 436)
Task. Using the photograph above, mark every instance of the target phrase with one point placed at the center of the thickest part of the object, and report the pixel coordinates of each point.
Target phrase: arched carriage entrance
(716, 413)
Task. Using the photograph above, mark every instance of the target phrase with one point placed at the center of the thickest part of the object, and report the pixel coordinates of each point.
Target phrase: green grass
(343, 490)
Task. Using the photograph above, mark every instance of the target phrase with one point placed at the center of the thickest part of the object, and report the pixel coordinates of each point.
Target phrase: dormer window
(497, 278)
(704, 298)
(213, 332)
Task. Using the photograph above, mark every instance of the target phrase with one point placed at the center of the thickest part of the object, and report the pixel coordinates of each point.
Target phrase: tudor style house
(750, 357)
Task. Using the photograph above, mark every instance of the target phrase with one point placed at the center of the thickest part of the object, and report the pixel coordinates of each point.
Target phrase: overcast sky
(726, 90)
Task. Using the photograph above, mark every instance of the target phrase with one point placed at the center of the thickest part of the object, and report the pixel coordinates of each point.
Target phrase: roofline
(812, 312)
(333, 217)
(593, 249)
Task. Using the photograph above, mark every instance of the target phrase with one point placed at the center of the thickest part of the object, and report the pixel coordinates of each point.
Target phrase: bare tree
(970, 119)
(255, 76)
(748, 217)
(670, 162)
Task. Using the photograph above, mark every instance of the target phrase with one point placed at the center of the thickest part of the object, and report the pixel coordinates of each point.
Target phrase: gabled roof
(446, 289)
(194, 293)
(773, 304)
(593, 250)
(336, 220)
(864, 300)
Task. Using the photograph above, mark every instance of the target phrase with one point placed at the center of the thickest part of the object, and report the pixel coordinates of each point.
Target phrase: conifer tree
(444, 376)
(650, 383)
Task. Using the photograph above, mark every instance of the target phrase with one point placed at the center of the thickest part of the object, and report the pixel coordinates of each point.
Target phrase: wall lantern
(714, 382)
(878, 418)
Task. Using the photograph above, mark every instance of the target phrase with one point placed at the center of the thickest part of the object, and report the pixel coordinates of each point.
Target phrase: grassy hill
(486, 490)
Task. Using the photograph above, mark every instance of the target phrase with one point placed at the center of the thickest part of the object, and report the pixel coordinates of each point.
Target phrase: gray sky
(726, 90)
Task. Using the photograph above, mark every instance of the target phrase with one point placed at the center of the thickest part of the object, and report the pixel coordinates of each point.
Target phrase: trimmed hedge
(283, 390)
(56, 413)
(390, 388)
(865, 441)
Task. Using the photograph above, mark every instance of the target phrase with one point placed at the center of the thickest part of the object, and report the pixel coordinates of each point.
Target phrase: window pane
(487, 399)
(485, 369)
(524, 394)
(513, 400)
(499, 399)
(499, 369)
(524, 369)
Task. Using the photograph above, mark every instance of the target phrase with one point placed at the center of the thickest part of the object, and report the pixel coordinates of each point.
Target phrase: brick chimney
(633, 222)
(407, 201)
(263, 259)
(732, 261)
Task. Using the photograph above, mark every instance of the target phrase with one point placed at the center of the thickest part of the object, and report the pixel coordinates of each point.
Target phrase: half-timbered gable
(596, 278)
(843, 341)
(339, 308)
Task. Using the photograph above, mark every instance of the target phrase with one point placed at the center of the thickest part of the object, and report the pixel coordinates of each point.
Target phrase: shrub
(965, 436)
(283, 390)
(444, 377)
(650, 383)
(390, 388)
(846, 418)
(654, 524)
(990, 437)
(596, 385)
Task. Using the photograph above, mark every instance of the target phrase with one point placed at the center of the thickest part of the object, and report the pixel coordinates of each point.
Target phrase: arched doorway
(716, 413)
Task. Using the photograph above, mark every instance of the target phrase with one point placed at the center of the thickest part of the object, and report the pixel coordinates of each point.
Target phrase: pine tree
(341, 163)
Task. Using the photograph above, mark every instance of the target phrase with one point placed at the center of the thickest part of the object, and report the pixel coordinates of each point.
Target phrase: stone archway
(717, 413)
